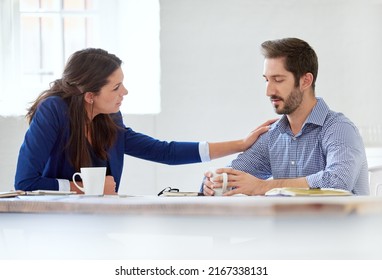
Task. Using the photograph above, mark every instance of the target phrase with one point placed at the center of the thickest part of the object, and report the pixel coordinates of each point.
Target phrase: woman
(77, 123)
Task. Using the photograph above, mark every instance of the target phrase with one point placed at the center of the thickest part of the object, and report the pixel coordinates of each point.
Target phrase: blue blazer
(42, 158)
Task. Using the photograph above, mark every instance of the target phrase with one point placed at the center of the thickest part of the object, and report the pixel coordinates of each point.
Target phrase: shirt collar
(317, 116)
(319, 113)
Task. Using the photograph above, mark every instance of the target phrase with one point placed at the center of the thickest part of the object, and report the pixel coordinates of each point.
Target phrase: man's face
(280, 86)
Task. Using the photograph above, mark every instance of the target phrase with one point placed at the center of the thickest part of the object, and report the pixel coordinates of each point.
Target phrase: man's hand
(243, 183)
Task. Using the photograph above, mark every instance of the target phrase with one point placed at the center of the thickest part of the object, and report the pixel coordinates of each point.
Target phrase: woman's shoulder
(53, 107)
(54, 101)
(117, 118)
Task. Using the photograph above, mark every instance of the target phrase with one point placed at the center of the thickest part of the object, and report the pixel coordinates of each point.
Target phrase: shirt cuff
(315, 180)
(204, 151)
(63, 185)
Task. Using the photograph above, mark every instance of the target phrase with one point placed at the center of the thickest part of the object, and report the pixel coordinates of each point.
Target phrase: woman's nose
(125, 91)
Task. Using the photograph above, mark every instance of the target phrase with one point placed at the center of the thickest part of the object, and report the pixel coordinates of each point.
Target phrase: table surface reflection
(149, 227)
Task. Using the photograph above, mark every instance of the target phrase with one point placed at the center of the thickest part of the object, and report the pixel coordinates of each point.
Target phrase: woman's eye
(116, 88)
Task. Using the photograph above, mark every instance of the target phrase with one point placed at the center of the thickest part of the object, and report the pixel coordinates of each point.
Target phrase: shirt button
(292, 162)
(293, 138)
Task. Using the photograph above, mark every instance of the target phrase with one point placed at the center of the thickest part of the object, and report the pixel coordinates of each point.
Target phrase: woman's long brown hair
(86, 71)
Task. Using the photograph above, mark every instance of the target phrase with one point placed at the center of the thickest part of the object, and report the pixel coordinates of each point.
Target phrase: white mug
(93, 180)
(223, 189)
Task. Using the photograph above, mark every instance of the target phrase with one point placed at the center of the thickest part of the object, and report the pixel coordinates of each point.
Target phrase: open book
(307, 192)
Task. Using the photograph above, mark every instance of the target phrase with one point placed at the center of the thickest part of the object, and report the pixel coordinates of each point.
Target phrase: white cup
(93, 180)
(223, 189)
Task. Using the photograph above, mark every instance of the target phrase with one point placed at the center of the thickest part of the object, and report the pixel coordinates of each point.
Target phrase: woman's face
(110, 96)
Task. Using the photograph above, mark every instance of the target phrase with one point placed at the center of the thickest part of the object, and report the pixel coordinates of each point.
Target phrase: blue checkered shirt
(328, 151)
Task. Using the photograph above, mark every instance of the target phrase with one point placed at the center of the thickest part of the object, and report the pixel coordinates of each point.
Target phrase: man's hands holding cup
(215, 183)
(229, 181)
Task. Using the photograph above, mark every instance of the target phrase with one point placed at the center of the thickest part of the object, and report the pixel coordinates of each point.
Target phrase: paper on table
(11, 194)
(50, 192)
(38, 192)
(181, 194)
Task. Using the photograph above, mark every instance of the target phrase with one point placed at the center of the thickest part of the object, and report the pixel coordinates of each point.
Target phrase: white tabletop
(238, 205)
(191, 228)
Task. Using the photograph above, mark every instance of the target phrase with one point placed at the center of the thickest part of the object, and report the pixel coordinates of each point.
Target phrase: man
(310, 146)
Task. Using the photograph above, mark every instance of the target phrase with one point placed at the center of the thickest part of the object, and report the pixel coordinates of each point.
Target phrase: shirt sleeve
(173, 153)
(344, 158)
(204, 151)
(38, 143)
(63, 185)
(255, 160)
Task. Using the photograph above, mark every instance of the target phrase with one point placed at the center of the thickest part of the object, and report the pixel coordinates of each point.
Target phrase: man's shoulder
(332, 117)
(340, 127)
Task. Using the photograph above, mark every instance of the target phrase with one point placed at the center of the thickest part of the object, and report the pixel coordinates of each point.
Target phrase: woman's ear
(306, 81)
(89, 97)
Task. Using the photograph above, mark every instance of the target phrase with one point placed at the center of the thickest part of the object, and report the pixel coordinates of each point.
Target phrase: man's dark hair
(300, 58)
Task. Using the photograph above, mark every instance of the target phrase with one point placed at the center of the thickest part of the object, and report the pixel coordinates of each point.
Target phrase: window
(38, 36)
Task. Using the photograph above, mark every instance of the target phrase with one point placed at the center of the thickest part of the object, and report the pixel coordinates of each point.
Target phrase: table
(148, 227)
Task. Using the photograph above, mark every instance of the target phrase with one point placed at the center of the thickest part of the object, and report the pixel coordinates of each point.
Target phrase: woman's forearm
(221, 149)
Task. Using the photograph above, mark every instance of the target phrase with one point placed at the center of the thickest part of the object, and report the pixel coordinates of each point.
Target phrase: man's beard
(290, 104)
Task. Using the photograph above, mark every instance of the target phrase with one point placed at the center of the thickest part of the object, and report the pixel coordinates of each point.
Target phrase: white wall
(12, 133)
(211, 76)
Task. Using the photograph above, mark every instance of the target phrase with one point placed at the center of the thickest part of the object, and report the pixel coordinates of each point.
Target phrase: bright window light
(38, 36)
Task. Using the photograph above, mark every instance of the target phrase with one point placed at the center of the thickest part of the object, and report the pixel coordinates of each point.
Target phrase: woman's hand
(222, 149)
(254, 134)
(74, 188)
(109, 185)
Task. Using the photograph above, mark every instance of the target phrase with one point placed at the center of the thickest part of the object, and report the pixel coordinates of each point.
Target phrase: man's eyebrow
(275, 76)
